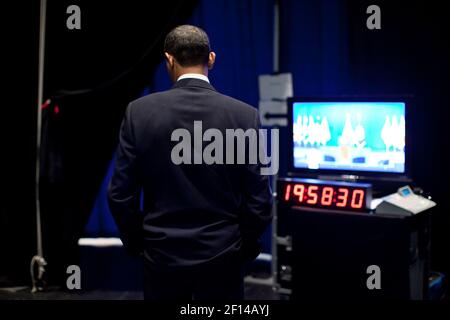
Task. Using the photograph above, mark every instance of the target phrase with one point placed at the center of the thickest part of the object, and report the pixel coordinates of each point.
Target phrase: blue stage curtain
(101, 222)
(314, 46)
(241, 34)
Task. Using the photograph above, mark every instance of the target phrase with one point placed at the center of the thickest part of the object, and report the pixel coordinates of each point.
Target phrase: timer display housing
(333, 195)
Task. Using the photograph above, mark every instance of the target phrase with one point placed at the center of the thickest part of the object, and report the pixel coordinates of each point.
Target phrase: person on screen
(200, 223)
(386, 134)
(360, 133)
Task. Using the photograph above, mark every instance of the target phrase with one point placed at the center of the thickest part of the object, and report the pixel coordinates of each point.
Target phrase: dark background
(410, 55)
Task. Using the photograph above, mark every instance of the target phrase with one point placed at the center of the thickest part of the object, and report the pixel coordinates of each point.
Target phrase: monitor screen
(349, 136)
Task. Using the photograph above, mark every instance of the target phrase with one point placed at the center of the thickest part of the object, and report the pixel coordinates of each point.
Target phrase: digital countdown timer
(325, 194)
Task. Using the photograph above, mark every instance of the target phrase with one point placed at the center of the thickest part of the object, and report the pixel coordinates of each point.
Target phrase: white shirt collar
(193, 76)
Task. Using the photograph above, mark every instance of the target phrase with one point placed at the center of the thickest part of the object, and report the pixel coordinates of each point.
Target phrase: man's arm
(257, 204)
(125, 189)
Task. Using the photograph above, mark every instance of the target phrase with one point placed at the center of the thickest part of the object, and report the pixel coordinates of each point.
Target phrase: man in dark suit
(200, 222)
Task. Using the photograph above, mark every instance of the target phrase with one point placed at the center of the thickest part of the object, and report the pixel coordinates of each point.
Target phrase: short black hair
(189, 45)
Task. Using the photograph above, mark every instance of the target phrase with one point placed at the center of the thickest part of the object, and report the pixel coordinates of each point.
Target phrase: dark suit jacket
(192, 213)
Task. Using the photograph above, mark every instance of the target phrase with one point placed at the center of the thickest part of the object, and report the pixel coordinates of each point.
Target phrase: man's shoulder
(235, 105)
(162, 97)
(149, 105)
(238, 103)
(149, 98)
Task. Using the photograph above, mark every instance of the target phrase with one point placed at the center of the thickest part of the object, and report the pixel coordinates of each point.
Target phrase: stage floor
(252, 292)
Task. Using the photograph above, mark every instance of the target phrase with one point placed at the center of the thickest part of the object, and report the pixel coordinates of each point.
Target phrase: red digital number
(342, 197)
(327, 196)
(299, 190)
(357, 199)
(287, 194)
(312, 195)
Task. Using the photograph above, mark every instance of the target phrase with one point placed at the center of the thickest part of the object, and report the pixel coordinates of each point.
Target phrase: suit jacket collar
(192, 82)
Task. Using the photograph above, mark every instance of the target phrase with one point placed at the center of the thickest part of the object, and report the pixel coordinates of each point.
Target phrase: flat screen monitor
(349, 136)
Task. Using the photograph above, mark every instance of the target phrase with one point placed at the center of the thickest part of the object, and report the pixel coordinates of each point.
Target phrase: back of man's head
(189, 45)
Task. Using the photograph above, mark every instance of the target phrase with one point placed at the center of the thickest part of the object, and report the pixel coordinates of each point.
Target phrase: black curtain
(90, 76)
(19, 37)
(411, 55)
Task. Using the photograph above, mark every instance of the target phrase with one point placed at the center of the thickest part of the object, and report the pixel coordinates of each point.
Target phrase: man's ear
(211, 60)
(169, 59)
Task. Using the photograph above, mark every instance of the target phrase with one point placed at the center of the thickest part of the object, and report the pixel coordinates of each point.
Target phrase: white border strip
(100, 242)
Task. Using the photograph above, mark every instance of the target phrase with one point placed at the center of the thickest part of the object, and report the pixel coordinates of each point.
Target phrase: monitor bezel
(352, 174)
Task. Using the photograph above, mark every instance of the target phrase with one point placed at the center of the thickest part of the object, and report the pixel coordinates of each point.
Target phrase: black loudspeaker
(327, 255)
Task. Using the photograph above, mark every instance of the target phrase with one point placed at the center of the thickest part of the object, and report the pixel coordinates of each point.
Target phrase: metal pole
(276, 36)
(39, 258)
(276, 69)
